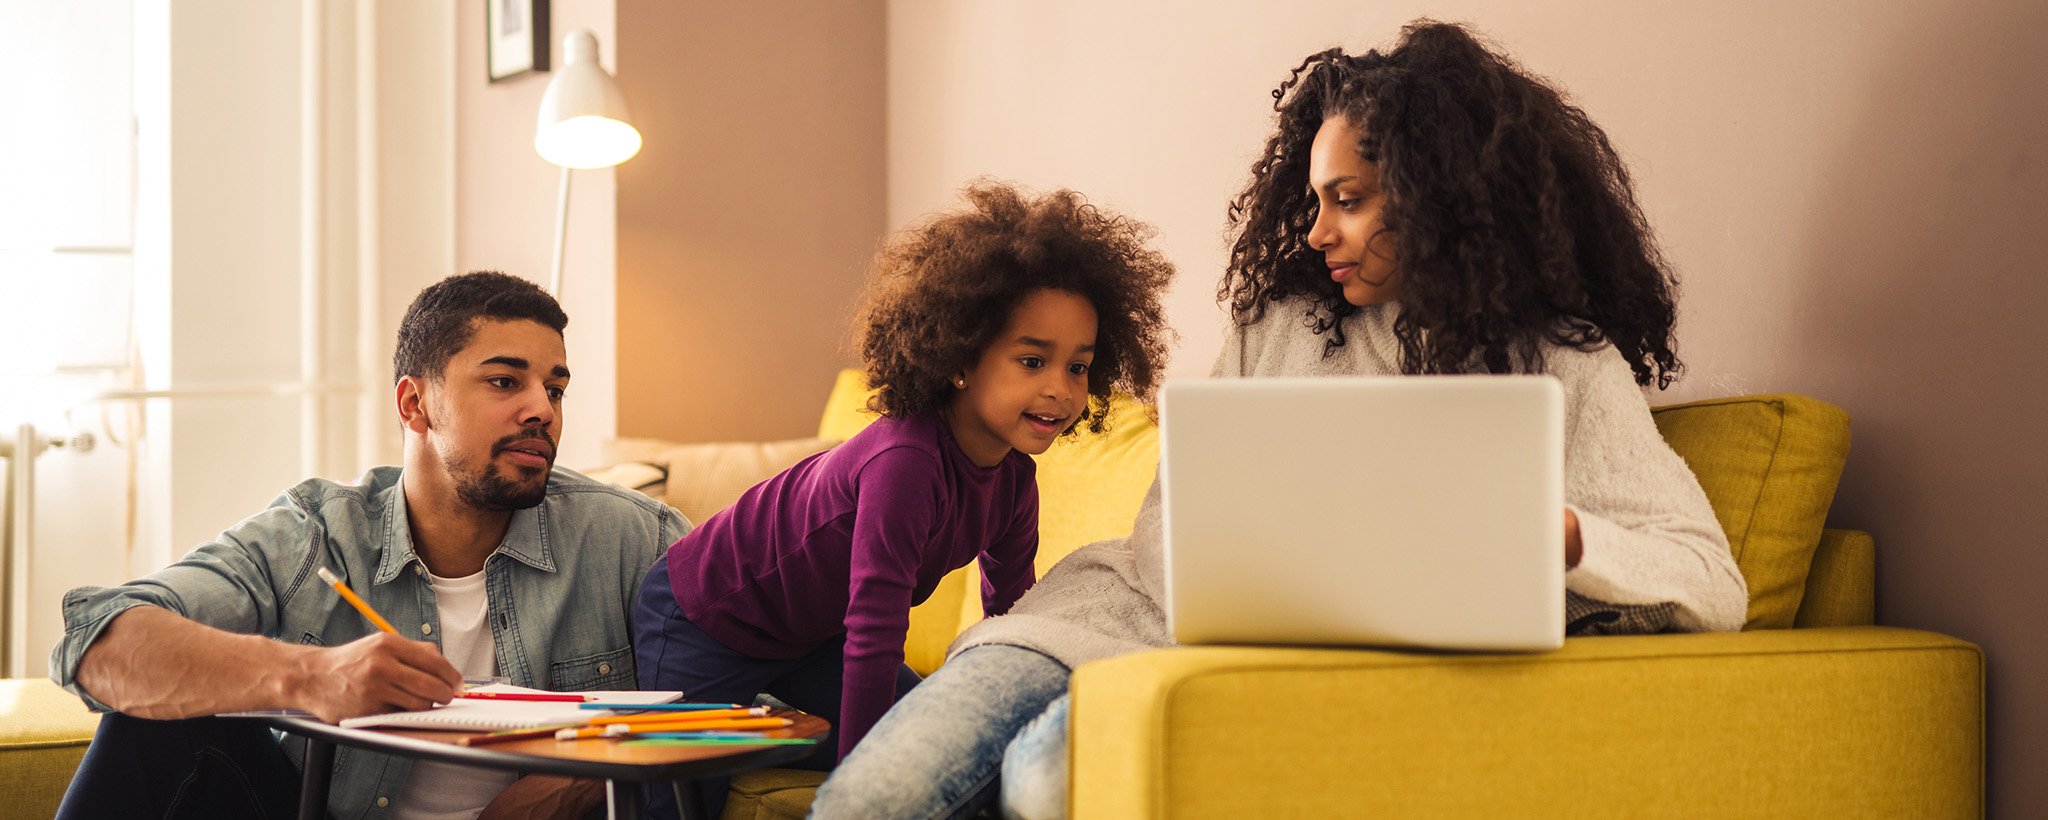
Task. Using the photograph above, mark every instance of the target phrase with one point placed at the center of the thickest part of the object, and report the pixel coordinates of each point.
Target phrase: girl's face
(1348, 229)
(1031, 384)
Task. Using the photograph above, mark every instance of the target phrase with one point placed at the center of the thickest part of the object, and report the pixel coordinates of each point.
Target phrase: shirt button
(426, 629)
(418, 570)
(604, 669)
(383, 801)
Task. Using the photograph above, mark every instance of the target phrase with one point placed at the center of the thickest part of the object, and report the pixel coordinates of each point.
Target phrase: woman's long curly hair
(1512, 218)
(941, 290)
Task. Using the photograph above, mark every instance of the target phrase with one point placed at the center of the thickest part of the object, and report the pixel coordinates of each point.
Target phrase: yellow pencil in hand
(355, 600)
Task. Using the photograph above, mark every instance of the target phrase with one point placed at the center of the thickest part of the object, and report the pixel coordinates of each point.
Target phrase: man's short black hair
(442, 319)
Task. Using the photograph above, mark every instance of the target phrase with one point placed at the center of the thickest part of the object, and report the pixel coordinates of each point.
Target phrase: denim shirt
(560, 589)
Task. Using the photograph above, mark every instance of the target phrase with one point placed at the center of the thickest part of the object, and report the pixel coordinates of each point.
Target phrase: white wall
(234, 196)
(219, 195)
(233, 133)
(1851, 192)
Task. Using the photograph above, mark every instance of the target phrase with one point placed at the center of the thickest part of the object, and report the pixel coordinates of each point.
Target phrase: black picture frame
(515, 37)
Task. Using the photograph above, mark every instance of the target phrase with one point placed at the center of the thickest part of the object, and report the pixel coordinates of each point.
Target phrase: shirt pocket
(605, 670)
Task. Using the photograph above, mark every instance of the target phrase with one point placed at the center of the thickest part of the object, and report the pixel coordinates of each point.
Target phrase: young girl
(1430, 209)
(988, 333)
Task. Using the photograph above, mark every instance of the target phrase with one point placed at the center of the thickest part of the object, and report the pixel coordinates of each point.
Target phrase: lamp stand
(561, 235)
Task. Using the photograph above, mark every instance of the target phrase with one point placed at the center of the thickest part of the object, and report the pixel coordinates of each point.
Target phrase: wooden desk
(622, 767)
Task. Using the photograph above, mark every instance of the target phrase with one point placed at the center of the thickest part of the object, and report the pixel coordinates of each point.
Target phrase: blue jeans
(952, 746)
(204, 767)
(673, 654)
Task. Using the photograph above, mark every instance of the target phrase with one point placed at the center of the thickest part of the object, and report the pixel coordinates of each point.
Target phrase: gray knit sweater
(1655, 559)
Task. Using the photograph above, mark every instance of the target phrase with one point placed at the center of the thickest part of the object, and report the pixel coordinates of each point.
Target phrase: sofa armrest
(1841, 722)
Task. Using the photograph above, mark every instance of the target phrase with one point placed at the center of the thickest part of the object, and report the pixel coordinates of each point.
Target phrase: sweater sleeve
(1006, 566)
(901, 493)
(1147, 542)
(1654, 557)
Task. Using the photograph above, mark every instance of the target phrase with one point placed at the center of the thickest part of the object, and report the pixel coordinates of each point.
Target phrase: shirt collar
(524, 540)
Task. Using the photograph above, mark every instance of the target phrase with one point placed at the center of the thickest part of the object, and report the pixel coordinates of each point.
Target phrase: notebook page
(479, 715)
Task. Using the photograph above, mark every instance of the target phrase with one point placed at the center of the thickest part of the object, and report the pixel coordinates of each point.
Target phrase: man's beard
(490, 490)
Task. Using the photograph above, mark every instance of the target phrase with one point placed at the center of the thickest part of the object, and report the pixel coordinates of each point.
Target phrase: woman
(1431, 209)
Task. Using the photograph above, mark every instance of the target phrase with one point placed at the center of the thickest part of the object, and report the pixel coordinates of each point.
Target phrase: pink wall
(746, 224)
(1852, 192)
(505, 211)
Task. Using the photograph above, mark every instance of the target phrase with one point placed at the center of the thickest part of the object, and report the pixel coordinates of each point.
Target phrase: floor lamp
(583, 124)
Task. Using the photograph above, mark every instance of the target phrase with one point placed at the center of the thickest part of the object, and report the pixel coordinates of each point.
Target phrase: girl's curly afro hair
(941, 290)
(1513, 219)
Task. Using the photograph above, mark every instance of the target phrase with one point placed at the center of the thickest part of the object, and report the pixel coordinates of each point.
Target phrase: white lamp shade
(583, 117)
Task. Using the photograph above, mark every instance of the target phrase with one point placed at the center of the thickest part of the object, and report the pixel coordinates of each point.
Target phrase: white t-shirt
(445, 791)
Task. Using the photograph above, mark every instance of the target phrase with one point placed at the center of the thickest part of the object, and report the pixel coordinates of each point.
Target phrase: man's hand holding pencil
(382, 672)
(372, 675)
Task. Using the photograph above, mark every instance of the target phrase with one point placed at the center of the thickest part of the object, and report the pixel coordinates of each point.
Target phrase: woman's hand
(1573, 548)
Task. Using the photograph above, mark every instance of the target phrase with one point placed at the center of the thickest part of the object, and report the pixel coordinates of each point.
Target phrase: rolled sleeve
(233, 583)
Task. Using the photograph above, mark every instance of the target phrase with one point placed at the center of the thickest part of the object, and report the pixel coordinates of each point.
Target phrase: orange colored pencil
(707, 725)
(681, 717)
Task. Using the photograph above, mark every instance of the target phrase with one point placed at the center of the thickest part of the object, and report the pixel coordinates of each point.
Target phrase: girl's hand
(1572, 546)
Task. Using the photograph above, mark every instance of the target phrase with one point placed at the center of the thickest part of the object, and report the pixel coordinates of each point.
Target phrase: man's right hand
(156, 664)
(378, 673)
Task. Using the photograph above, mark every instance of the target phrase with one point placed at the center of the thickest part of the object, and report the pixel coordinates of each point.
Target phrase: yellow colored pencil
(355, 600)
(680, 717)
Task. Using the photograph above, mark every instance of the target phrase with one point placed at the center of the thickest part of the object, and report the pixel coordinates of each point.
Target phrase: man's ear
(412, 405)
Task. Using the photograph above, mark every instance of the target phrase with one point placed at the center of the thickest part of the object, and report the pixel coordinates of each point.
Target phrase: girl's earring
(960, 383)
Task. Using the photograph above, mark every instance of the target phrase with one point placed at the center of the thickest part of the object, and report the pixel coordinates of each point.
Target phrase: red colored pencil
(523, 696)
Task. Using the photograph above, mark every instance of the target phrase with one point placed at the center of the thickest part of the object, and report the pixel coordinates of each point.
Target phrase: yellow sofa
(1810, 712)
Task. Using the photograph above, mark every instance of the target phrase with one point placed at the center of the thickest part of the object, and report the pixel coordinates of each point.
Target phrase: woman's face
(1347, 228)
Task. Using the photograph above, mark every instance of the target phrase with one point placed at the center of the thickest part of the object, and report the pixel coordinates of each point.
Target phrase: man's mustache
(506, 443)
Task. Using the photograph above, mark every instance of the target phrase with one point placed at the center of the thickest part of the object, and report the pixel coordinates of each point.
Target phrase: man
(488, 562)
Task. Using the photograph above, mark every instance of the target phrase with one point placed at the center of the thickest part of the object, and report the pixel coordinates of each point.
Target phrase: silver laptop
(1411, 511)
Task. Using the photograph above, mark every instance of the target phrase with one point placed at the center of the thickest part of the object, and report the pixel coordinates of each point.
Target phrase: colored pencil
(617, 729)
(674, 717)
(549, 697)
(734, 723)
(719, 741)
(590, 732)
(516, 734)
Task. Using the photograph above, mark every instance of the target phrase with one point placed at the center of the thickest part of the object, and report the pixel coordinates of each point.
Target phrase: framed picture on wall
(516, 37)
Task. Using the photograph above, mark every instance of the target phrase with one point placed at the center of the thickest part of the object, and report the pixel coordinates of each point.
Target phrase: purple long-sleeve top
(850, 539)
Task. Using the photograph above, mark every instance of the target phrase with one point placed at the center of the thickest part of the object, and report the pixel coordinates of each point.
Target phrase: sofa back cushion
(1089, 485)
(1769, 465)
(706, 478)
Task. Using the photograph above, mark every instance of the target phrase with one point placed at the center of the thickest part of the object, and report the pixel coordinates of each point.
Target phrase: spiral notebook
(477, 715)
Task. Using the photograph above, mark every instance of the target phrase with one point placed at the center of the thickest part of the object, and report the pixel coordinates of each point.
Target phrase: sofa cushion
(846, 410)
(43, 734)
(1841, 587)
(1769, 465)
(771, 794)
(706, 478)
